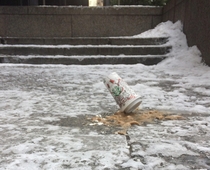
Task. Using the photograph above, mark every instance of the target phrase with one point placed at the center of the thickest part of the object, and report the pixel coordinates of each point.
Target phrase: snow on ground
(33, 95)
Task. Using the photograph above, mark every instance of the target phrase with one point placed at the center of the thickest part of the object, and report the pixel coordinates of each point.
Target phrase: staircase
(84, 50)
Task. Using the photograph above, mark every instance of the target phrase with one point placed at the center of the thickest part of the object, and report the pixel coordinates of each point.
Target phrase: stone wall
(195, 16)
(69, 21)
(42, 2)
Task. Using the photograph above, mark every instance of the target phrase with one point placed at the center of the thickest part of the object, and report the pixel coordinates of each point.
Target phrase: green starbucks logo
(116, 91)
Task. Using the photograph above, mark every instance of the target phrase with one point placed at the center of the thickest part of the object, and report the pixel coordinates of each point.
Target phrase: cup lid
(132, 106)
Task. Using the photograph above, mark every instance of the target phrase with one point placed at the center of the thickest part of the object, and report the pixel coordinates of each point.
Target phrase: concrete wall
(42, 2)
(29, 21)
(195, 16)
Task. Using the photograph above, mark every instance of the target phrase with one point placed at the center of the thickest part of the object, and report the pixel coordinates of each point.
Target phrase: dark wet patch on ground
(84, 123)
(91, 123)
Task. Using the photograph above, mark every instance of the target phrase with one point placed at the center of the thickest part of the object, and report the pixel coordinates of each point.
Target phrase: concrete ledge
(84, 61)
(85, 41)
(96, 10)
(126, 50)
(77, 21)
(11, 10)
(72, 10)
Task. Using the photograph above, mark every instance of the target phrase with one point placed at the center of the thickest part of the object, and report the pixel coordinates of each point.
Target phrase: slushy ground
(45, 113)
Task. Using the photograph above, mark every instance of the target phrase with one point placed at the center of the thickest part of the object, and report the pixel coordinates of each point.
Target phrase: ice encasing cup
(124, 96)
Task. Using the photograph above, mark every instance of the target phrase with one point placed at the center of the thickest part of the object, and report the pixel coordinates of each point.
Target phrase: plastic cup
(124, 96)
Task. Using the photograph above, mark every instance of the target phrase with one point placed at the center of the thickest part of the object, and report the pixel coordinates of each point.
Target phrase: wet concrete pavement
(45, 124)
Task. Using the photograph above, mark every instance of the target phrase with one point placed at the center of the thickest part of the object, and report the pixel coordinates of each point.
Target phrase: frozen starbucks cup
(124, 96)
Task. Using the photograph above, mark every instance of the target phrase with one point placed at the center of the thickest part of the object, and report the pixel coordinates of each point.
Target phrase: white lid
(132, 106)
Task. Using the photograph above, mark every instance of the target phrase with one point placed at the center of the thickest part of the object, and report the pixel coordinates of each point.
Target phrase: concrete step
(85, 41)
(84, 60)
(83, 50)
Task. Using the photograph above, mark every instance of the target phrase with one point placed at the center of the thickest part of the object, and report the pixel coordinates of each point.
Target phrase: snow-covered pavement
(45, 110)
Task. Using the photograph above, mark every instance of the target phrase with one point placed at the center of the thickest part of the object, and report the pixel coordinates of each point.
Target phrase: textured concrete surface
(94, 50)
(84, 40)
(45, 111)
(77, 21)
(97, 50)
(79, 60)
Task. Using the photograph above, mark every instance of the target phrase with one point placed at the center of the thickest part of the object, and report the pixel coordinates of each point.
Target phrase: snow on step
(85, 50)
